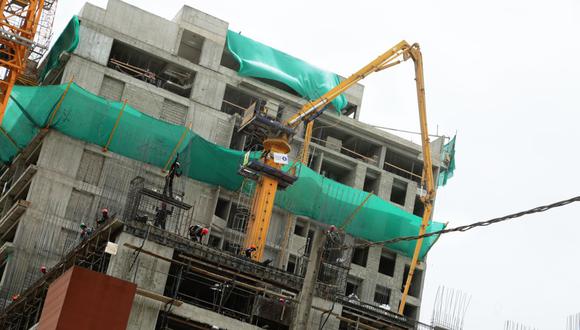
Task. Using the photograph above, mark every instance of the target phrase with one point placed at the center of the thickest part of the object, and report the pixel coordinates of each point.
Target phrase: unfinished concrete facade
(67, 178)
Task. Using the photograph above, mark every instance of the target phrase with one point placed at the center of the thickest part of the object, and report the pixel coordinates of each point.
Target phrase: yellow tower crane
(276, 137)
(21, 47)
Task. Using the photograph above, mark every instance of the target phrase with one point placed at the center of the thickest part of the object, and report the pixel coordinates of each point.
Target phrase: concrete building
(57, 181)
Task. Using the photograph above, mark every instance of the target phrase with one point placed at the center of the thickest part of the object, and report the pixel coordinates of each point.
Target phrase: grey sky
(504, 75)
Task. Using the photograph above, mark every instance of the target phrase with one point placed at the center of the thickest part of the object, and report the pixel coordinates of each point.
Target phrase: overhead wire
(465, 228)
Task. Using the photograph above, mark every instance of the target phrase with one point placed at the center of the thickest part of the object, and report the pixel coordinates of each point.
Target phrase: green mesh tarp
(260, 61)
(448, 157)
(66, 42)
(90, 118)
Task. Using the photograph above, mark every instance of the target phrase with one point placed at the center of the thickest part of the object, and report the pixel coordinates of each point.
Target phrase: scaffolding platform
(166, 199)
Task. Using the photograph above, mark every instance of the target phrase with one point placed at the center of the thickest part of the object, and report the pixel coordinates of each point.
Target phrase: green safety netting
(260, 61)
(87, 117)
(448, 157)
(66, 42)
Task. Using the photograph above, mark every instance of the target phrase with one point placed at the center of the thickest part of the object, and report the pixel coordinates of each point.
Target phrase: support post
(106, 147)
(57, 107)
(309, 285)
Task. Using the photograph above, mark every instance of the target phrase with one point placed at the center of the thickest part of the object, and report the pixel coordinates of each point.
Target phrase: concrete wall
(147, 272)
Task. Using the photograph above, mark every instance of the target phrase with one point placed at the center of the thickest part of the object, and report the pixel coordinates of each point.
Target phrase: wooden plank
(158, 297)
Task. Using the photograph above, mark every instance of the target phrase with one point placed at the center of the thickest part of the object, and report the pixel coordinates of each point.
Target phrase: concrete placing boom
(267, 171)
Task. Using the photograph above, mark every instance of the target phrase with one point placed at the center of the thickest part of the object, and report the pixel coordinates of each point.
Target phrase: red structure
(84, 299)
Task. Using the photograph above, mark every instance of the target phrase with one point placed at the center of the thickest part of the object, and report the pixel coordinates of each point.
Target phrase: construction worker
(332, 234)
(85, 231)
(104, 217)
(197, 232)
(249, 251)
(161, 216)
(174, 170)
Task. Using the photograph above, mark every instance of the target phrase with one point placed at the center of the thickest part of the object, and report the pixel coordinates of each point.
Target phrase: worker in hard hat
(161, 216)
(85, 231)
(332, 234)
(174, 170)
(104, 217)
(249, 251)
(197, 232)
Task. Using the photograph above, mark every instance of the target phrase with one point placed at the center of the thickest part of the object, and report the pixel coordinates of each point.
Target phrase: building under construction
(119, 104)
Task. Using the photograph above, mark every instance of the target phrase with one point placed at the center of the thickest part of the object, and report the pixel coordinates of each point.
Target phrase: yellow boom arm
(263, 199)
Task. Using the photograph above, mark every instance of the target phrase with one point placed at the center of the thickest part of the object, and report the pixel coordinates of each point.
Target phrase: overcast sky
(504, 76)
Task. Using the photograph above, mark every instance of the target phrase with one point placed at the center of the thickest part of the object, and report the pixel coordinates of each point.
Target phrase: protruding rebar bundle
(511, 325)
(450, 308)
(573, 322)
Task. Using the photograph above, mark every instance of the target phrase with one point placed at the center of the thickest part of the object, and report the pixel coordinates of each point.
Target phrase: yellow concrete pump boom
(276, 138)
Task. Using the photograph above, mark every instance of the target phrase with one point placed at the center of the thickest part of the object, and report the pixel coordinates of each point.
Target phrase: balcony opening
(382, 295)
(238, 141)
(335, 172)
(222, 208)
(360, 256)
(236, 101)
(371, 184)
(292, 263)
(349, 110)
(151, 69)
(238, 218)
(387, 263)
(403, 165)
(415, 288)
(344, 142)
(300, 228)
(419, 207)
(399, 192)
(411, 311)
(353, 286)
(214, 241)
(190, 46)
(232, 247)
(208, 293)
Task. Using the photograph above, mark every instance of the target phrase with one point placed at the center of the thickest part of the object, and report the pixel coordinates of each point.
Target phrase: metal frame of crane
(18, 24)
(276, 137)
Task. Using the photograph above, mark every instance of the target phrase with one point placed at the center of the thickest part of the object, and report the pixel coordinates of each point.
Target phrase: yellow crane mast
(267, 171)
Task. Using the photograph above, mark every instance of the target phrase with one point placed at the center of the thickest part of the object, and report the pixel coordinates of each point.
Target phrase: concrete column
(317, 166)
(211, 54)
(385, 186)
(357, 176)
(208, 90)
(147, 272)
(307, 292)
(382, 156)
(86, 74)
(282, 259)
(398, 281)
(410, 197)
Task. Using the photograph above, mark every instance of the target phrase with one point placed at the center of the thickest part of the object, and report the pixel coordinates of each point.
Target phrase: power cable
(465, 228)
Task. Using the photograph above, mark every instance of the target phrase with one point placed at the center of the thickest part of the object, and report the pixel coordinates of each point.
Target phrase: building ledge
(11, 217)
(6, 250)
(20, 183)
